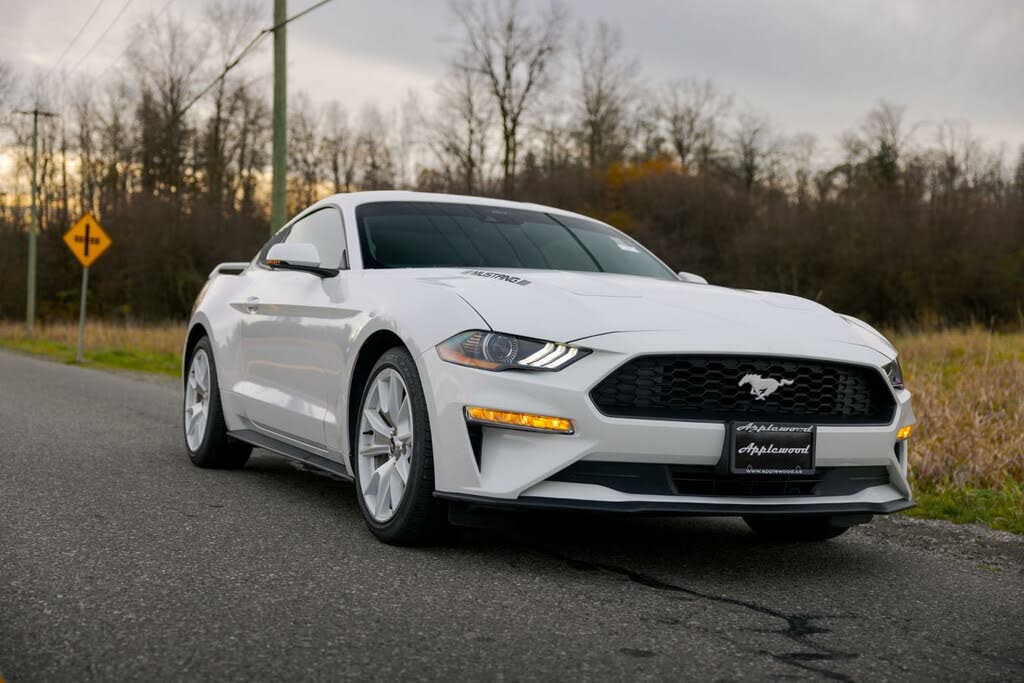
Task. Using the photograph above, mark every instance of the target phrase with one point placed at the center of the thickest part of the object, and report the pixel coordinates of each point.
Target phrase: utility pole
(279, 159)
(30, 295)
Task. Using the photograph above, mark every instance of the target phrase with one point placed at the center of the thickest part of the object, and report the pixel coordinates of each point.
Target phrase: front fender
(222, 324)
(420, 320)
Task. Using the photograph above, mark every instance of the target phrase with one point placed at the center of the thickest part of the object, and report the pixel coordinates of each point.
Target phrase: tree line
(897, 221)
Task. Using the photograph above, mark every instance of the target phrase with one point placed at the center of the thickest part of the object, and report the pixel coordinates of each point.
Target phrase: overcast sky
(813, 66)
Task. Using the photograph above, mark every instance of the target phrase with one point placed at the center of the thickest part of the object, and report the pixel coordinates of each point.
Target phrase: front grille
(708, 480)
(707, 388)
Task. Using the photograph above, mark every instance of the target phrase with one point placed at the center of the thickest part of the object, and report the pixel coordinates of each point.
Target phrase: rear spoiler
(229, 268)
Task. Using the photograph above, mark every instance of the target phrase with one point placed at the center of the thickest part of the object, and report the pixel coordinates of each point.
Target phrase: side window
(278, 237)
(324, 230)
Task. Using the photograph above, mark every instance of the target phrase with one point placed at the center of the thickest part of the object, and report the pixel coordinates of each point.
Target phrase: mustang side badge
(497, 276)
(761, 387)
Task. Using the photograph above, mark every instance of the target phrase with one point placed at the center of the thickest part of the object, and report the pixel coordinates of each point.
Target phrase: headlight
(495, 351)
(895, 373)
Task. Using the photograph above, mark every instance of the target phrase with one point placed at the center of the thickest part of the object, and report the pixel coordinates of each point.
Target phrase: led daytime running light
(529, 421)
(498, 351)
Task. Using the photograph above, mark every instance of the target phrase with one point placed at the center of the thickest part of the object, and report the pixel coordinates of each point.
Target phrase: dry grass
(119, 346)
(166, 337)
(968, 387)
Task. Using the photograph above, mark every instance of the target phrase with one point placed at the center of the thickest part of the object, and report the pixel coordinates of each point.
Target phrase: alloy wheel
(197, 400)
(385, 444)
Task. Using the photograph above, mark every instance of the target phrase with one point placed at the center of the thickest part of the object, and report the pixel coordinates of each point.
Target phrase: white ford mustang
(452, 353)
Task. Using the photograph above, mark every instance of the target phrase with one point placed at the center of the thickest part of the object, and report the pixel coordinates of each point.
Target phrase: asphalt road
(121, 561)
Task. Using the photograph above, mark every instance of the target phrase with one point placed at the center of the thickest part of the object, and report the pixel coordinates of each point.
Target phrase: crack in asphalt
(799, 628)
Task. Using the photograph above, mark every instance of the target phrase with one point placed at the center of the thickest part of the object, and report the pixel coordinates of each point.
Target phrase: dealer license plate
(772, 448)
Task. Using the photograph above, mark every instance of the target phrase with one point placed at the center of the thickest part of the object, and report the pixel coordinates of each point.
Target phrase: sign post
(87, 241)
(81, 315)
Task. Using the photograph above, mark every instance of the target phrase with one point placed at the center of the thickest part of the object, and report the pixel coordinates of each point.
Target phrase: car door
(292, 336)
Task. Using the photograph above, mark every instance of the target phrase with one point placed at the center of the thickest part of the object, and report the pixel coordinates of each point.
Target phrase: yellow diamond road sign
(86, 240)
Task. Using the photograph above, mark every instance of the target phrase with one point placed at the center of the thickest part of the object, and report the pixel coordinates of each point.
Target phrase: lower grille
(707, 480)
(722, 388)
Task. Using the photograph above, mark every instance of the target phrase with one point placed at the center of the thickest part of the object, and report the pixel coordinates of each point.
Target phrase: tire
(381, 455)
(209, 446)
(795, 529)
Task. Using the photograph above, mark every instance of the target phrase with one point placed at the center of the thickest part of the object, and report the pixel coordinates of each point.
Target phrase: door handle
(252, 304)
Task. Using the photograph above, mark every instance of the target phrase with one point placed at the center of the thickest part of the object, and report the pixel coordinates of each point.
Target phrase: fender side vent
(476, 442)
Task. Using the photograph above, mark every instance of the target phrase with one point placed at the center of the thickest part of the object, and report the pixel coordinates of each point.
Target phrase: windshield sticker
(497, 276)
(626, 247)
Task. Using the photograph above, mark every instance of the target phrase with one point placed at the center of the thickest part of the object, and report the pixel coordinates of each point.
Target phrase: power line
(118, 58)
(74, 40)
(297, 16)
(252, 43)
(99, 40)
(232, 64)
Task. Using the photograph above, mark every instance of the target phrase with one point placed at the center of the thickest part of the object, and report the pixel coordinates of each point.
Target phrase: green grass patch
(1001, 508)
(112, 359)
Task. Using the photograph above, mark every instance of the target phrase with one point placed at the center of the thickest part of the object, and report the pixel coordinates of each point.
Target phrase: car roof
(353, 199)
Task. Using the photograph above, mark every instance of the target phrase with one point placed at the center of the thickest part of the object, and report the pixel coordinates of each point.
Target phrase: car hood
(569, 306)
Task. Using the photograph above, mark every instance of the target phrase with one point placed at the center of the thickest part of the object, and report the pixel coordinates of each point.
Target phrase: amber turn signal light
(504, 418)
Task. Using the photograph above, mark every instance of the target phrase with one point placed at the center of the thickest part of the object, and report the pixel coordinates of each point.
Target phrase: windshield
(443, 235)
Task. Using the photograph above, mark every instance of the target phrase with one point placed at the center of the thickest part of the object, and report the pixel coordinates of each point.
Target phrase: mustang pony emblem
(762, 388)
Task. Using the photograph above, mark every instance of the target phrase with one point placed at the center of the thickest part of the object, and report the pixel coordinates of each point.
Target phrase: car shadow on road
(723, 548)
(780, 595)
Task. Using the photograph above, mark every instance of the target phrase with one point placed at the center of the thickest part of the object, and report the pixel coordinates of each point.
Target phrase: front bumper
(717, 508)
(507, 468)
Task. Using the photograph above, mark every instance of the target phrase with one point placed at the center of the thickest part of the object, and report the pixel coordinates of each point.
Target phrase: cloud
(811, 65)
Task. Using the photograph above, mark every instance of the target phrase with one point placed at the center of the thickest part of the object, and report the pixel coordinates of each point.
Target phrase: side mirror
(686, 277)
(298, 256)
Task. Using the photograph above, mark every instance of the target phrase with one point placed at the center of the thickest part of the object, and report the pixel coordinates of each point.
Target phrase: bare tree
(155, 173)
(885, 126)
(304, 143)
(459, 130)
(961, 157)
(375, 153)
(887, 137)
(7, 84)
(515, 56)
(693, 112)
(408, 124)
(878, 150)
(38, 93)
(1018, 172)
(233, 24)
(555, 139)
(166, 56)
(85, 118)
(647, 137)
(607, 85)
(117, 149)
(750, 146)
(340, 147)
(802, 149)
(249, 145)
